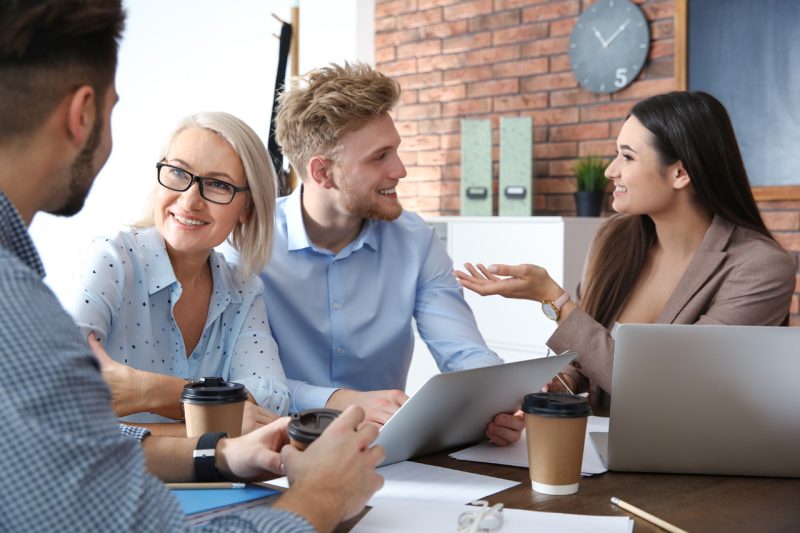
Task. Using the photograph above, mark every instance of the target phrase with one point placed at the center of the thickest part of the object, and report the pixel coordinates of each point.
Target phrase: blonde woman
(159, 305)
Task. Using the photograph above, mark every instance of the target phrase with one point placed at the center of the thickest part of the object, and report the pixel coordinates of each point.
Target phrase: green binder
(476, 167)
(516, 166)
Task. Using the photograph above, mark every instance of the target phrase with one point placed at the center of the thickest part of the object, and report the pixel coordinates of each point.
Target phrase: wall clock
(608, 45)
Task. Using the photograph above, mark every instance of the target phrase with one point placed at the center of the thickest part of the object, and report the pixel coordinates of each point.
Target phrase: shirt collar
(153, 253)
(297, 237)
(15, 237)
(717, 235)
(225, 286)
(368, 236)
(160, 274)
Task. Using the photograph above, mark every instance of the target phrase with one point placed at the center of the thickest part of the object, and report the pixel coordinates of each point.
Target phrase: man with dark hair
(45, 53)
(71, 466)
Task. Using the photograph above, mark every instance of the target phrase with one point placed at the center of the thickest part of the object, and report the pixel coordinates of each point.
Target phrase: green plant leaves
(590, 173)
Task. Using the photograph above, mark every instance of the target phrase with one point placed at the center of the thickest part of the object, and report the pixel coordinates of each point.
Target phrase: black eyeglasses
(214, 190)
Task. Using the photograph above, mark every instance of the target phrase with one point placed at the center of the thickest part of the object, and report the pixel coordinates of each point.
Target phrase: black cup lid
(556, 404)
(213, 390)
(306, 426)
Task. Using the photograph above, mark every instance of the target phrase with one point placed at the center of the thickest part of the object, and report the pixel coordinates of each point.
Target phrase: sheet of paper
(415, 481)
(422, 517)
(517, 454)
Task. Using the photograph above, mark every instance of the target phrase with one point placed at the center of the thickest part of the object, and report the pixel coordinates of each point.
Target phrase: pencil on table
(212, 485)
(647, 516)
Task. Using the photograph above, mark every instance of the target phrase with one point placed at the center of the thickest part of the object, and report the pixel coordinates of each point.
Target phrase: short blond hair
(253, 239)
(329, 102)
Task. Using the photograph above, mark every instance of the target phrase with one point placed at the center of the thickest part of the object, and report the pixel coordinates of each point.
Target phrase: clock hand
(616, 33)
(600, 37)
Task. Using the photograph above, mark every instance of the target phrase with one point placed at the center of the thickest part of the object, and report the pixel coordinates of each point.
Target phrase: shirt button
(339, 349)
(337, 305)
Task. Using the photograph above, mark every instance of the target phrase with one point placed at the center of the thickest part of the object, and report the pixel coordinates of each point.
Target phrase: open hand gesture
(527, 282)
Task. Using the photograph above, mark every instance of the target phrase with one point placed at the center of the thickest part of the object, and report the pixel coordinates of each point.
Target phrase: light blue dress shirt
(126, 296)
(345, 320)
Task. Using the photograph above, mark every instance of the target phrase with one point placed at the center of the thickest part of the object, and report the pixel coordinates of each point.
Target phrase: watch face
(549, 311)
(608, 45)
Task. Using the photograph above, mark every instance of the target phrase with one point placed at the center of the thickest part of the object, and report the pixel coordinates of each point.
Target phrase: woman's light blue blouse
(127, 294)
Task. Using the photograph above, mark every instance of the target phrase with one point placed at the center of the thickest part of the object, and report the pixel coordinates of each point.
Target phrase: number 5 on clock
(621, 79)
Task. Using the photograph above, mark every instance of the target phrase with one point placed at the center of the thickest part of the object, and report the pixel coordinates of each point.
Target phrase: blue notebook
(201, 501)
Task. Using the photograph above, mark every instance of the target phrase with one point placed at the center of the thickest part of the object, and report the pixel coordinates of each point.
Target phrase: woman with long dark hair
(687, 247)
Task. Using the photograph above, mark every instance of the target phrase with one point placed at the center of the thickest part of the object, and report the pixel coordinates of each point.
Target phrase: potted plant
(590, 174)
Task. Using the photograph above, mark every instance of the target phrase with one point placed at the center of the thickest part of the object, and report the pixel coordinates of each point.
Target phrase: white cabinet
(515, 329)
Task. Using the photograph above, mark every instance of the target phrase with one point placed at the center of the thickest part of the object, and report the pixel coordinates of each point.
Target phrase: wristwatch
(205, 457)
(552, 310)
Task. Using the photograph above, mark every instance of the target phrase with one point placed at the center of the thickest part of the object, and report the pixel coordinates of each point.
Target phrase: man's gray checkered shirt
(66, 465)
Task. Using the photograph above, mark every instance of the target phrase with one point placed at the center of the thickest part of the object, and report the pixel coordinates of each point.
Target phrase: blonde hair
(313, 117)
(253, 239)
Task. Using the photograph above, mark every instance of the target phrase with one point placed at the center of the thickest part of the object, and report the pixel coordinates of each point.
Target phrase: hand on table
(255, 455)
(256, 417)
(335, 476)
(378, 405)
(124, 382)
(505, 429)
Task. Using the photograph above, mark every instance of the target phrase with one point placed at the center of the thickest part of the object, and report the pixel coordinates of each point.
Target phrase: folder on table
(201, 501)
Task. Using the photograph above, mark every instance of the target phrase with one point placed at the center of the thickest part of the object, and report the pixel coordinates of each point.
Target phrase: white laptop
(453, 409)
(705, 400)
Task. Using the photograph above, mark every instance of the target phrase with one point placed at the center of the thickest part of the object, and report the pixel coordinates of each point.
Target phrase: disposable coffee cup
(305, 427)
(213, 404)
(555, 424)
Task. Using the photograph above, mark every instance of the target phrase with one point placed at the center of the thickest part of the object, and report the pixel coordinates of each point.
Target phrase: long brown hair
(694, 128)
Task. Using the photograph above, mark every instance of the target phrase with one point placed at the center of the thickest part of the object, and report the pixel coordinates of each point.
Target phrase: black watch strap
(205, 457)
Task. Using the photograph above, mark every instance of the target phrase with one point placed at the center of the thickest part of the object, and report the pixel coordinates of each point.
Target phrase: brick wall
(783, 219)
(490, 58)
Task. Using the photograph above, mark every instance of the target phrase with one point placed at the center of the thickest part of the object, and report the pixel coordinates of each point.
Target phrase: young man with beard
(350, 268)
(71, 466)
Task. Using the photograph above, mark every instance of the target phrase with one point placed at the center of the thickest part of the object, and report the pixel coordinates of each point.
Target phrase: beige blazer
(736, 277)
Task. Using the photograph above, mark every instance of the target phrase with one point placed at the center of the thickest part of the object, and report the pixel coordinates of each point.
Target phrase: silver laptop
(453, 409)
(705, 400)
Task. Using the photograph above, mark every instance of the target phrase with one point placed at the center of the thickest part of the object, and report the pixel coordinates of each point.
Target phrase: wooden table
(693, 503)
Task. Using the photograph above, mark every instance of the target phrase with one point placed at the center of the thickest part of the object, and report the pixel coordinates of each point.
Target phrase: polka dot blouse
(126, 296)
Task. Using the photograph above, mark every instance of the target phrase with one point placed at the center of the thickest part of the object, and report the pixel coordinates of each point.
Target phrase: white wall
(182, 56)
